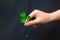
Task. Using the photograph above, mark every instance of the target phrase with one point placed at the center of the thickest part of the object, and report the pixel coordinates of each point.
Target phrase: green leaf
(22, 14)
(22, 20)
(28, 17)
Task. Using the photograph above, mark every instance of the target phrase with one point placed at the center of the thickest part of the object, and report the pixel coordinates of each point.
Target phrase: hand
(40, 17)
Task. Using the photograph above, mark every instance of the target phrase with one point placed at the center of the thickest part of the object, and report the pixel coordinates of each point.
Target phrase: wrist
(55, 15)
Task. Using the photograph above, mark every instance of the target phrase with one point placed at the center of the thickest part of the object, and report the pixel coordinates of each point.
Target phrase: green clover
(24, 17)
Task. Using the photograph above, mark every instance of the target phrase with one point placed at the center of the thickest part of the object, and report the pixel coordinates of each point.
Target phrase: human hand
(40, 17)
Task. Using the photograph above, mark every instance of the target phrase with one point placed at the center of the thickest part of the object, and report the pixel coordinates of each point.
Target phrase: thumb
(32, 14)
(31, 22)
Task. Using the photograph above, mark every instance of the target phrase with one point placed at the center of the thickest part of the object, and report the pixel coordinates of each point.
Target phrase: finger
(32, 14)
(32, 22)
(34, 26)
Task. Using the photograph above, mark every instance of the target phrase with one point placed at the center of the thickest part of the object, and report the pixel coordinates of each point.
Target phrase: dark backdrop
(12, 29)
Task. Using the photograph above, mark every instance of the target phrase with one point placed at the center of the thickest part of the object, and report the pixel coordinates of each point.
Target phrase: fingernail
(25, 24)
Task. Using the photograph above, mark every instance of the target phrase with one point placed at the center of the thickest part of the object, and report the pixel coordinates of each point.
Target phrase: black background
(12, 29)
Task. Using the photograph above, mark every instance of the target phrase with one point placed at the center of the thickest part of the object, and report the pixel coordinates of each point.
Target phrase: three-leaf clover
(24, 17)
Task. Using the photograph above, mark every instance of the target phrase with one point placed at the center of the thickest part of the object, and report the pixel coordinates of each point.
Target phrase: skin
(42, 17)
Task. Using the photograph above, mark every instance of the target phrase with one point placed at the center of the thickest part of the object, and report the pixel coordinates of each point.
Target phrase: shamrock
(24, 17)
